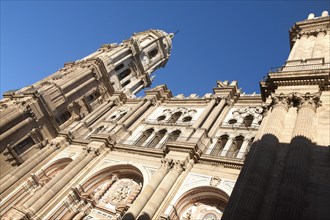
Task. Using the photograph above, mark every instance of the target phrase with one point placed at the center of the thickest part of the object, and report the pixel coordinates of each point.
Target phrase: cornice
(154, 152)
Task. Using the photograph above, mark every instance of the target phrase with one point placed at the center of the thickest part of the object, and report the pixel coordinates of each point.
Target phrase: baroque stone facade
(79, 145)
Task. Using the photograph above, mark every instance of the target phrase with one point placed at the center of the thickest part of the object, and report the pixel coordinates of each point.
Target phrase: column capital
(91, 150)
(307, 100)
(281, 99)
(166, 163)
(178, 166)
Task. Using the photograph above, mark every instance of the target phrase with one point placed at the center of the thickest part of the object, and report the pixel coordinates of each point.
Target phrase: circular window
(232, 121)
(161, 118)
(187, 119)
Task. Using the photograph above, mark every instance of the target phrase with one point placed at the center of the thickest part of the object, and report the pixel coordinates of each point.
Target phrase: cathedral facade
(79, 144)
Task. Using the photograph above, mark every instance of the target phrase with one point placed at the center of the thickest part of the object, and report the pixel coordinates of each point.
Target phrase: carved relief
(296, 99)
(242, 115)
(214, 181)
(281, 100)
(121, 193)
(308, 100)
(201, 211)
(118, 114)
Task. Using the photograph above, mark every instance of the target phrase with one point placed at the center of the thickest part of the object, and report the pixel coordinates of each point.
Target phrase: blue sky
(218, 40)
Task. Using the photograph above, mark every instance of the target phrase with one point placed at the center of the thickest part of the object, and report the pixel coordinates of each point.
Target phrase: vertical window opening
(144, 137)
(159, 136)
(174, 135)
(175, 117)
(248, 120)
(124, 74)
(153, 53)
(63, 117)
(23, 146)
(126, 83)
(220, 145)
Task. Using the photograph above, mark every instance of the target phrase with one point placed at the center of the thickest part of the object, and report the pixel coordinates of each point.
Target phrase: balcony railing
(239, 125)
(167, 122)
(299, 67)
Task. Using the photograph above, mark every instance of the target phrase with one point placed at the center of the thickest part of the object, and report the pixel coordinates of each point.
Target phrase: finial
(173, 34)
(310, 16)
(325, 14)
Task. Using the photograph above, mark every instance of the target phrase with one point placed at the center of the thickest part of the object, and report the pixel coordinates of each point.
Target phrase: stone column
(205, 113)
(160, 194)
(291, 199)
(293, 50)
(129, 113)
(22, 170)
(243, 149)
(214, 114)
(16, 113)
(251, 186)
(227, 147)
(78, 75)
(137, 114)
(163, 140)
(58, 182)
(300, 49)
(151, 137)
(319, 45)
(98, 112)
(79, 216)
(15, 128)
(148, 191)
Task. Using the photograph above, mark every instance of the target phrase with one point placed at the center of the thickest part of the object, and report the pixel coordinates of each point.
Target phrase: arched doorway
(204, 202)
(105, 195)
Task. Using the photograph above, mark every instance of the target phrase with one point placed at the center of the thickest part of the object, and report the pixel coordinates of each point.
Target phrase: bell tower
(35, 114)
(130, 63)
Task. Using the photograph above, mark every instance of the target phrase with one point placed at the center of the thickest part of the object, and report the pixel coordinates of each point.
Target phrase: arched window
(232, 121)
(144, 137)
(91, 97)
(153, 53)
(158, 137)
(23, 146)
(126, 83)
(63, 117)
(220, 145)
(120, 66)
(99, 129)
(187, 119)
(161, 118)
(174, 135)
(248, 120)
(123, 74)
(236, 146)
(175, 117)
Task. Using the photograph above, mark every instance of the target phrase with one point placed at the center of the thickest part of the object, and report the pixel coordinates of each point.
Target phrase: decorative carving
(298, 100)
(215, 181)
(178, 166)
(201, 211)
(281, 100)
(308, 100)
(119, 114)
(166, 163)
(239, 114)
(120, 194)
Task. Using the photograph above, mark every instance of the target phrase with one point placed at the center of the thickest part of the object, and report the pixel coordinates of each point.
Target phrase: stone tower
(89, 149)
(33, 115)
(286, 173)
